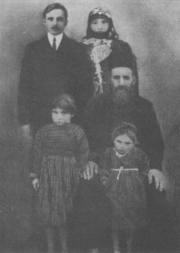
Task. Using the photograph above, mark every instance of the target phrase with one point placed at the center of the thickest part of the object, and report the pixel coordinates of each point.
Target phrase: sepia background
(151, 27)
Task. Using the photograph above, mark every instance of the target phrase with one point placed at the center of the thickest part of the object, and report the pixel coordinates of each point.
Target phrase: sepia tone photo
(90, 126)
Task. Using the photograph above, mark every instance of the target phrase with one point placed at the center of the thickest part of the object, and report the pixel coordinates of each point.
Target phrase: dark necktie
(54, 44)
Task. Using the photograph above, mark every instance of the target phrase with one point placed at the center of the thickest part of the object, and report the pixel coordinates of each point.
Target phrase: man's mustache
(55, 27)
(121, 88)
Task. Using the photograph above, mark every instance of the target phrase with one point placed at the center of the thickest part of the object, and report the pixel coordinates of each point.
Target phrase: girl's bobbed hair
(125, 128)
(65, 102)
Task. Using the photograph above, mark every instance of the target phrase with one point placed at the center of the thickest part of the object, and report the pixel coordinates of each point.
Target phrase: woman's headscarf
(100, 13)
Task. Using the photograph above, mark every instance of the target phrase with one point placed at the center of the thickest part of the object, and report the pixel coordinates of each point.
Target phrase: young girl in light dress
(101, 40)
(60, 154)
(125, 168)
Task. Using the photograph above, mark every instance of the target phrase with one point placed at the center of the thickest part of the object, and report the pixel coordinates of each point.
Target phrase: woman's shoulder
(118, 44)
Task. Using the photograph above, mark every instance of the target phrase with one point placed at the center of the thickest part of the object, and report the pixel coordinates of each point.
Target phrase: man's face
(122, 76)
(122, 81)
(55, 21)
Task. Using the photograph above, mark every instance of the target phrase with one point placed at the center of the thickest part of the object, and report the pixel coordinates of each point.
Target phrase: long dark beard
(122, 96)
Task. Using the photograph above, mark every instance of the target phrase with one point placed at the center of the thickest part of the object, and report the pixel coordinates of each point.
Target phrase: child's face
(123, 144)
(60, 117)
(99, 25)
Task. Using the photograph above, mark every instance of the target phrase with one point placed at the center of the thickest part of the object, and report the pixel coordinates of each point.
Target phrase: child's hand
(35, 184)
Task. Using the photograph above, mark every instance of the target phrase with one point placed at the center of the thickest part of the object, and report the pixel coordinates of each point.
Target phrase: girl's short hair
(54, 6)
(125, 128)
(64, 102)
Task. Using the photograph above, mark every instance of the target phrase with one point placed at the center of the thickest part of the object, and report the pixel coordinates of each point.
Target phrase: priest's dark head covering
(124, 57)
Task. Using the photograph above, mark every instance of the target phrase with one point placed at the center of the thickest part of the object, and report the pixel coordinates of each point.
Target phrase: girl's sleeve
(36, 155)
(82, 149)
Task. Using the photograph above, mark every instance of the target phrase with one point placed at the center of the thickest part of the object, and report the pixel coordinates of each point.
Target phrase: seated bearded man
(102, 115)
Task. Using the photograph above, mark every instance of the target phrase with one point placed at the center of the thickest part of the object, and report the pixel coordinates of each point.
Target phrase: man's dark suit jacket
(46, 73)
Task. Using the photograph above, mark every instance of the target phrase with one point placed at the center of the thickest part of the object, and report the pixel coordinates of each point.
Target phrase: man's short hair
(54, 6)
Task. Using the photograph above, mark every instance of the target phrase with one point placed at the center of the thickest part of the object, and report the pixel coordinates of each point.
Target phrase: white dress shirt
(58, 39)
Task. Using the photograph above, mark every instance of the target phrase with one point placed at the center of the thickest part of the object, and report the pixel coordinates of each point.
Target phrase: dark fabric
(66, 140)
(90, 221)
(47, 73)
(126, 190)
(122, 48)
(172, 169)
(100, 119)
(106, 49)
(60, 154)
(102, 116)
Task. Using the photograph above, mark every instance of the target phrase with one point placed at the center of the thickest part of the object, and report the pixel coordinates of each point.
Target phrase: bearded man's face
(122, 81)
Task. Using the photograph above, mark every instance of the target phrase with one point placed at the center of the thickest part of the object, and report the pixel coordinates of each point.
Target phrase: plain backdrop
(151, 27)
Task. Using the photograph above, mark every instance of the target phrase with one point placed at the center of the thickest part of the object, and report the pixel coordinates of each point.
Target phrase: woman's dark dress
(99, 51)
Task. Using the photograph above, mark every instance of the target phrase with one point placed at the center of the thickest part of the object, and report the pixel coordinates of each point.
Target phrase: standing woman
(101, 40)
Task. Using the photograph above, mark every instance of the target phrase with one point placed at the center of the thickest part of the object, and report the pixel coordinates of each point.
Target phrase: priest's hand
(159, 179)
(35, 184)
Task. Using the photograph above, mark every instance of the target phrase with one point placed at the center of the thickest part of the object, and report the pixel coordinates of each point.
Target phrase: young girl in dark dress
(125, 167)
(101, 40)
(60, 154)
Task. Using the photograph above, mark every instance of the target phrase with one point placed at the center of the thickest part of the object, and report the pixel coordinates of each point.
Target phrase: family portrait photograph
(90, 126)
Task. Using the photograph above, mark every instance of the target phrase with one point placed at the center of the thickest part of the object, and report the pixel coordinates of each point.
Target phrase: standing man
(52, 65)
